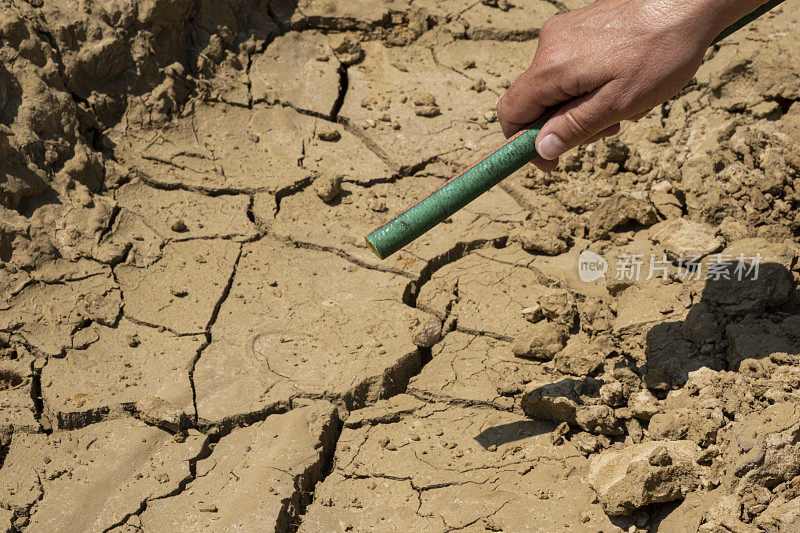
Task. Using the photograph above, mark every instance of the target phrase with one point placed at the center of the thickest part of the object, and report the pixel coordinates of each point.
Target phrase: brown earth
(193, 335)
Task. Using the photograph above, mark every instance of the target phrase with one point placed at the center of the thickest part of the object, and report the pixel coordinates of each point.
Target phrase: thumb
(578, 121)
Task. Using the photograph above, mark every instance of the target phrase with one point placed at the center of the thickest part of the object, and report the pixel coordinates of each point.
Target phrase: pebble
(328, 187)
(328, 134)
(178, 225)
(425, 334)
(427, 111)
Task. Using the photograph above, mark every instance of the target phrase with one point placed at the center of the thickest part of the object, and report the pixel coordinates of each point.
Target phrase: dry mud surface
(194, 337)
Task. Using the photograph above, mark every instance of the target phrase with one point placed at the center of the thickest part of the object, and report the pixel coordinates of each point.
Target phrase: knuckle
(551, 24)
(504, 106)
(576, 127)
(622, 102)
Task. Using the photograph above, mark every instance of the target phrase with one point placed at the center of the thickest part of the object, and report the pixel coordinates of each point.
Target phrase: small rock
(537, 240)
(132, 340)
(425, 333)
(423, 99)
(427, 111)
(510, 389)
(611, 394)
(209, 509)
(328, 187)
(643, 405)
(667, 204)
(599, 419)
(625, 480)
(180, 292)
(384, 442)
(634, 430)
(161, 413)
(542, 340)
(478, 85)
(377, 205)
(253, 138)
(619, 211)
(178, 225)
(611, 151)
(533, 314)
(328, 133)
(347, 49)
(586, 443)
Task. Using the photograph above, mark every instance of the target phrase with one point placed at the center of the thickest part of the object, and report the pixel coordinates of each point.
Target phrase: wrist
(702, 19)
(720, 14)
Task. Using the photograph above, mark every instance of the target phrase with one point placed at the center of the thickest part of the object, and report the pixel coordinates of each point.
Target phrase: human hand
(611, 61)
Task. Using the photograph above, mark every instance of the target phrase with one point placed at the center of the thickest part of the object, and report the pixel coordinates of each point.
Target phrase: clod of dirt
(617, 212)
(539, 240)
(572, 401)
(642, 474)
(159, 412)
(611, 394)
(423, 99)
(425, 333)
(643, 405)
(697, 411)
(427, 111)
(425, 105)
(685, 239)
(328, 133)
(348, 50)
(328, 187)
(178, 225)
(542, 340)
(478, 85)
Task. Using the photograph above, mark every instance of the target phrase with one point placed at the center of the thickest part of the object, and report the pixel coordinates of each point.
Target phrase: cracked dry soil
(193, 335)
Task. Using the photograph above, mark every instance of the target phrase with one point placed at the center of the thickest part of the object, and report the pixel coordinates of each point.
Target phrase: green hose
(480, 177)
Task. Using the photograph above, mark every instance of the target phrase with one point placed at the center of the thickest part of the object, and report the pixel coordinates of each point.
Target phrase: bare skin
(612, 61)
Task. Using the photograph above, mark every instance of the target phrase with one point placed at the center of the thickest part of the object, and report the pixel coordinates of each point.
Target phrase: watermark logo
(633, 267)
(591, 266)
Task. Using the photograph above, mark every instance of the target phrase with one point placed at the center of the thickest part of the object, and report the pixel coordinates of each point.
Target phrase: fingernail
(551, 146)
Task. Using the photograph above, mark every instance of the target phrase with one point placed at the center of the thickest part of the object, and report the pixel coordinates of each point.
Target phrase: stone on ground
(652, 472)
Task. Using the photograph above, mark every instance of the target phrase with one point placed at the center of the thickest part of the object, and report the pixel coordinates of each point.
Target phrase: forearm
(706, 17)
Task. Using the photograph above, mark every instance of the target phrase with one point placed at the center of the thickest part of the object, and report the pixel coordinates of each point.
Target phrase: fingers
(526, 100)
(578, 121)
(548, 165)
